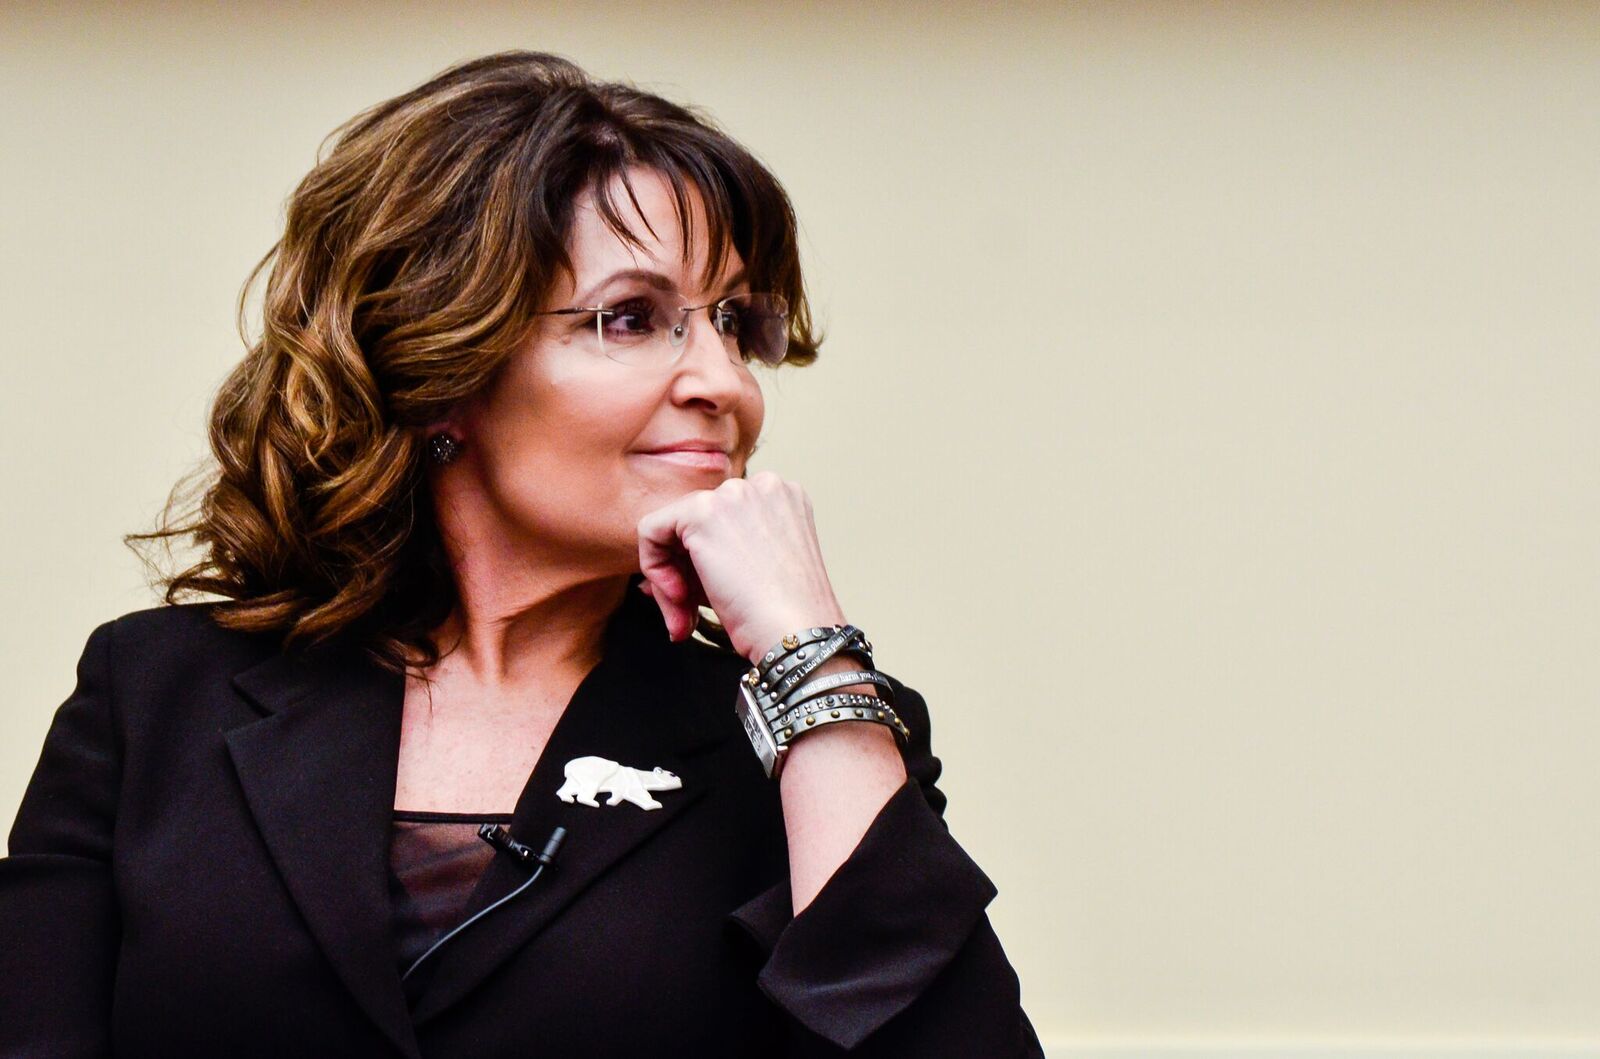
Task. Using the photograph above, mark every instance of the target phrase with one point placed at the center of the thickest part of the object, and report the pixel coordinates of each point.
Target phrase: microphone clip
(498, 837)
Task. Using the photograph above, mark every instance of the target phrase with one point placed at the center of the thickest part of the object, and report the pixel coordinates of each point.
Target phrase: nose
(704, 371)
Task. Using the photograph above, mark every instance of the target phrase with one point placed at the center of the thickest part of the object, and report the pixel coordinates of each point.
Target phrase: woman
(446, 772)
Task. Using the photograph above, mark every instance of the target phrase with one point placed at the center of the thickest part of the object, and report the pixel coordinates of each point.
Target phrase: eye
(632, 320)
(728, 320)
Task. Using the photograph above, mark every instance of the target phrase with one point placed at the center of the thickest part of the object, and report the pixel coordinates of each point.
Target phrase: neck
(524, 613)
(528, 609)
(503, 636)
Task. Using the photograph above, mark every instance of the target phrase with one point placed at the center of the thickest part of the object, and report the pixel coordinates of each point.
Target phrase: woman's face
(553, 465)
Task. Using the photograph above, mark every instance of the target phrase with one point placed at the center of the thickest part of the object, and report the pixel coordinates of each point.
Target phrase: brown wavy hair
(413, 257)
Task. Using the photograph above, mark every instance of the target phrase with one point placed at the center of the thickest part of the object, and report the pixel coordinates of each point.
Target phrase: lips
(693, 445)
(693, 459)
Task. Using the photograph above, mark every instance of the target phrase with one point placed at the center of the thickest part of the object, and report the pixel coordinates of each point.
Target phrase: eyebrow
(658, 280)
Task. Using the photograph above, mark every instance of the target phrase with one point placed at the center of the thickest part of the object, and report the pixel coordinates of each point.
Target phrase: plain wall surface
(1207, 426)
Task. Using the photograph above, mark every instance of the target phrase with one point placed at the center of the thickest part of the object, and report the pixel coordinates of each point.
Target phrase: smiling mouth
(694, 460)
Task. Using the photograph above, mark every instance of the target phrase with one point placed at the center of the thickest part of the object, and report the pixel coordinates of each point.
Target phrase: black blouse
(435, 862)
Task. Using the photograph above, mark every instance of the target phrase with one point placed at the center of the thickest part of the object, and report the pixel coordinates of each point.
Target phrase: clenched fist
(747, 549)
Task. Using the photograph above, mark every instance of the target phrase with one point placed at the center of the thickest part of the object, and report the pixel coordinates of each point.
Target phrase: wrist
(802, 685)
(857, 747)
(769, 635)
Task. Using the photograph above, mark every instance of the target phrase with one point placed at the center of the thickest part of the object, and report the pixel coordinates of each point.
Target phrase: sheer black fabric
(435, 862)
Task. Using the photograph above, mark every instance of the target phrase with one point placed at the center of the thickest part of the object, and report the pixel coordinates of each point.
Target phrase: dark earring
(442, 448)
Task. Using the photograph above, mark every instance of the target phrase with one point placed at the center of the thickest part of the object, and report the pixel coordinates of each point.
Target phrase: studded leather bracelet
(777, 708)
(782, 669)
(821, 686)
(847, 706)
(882, 712)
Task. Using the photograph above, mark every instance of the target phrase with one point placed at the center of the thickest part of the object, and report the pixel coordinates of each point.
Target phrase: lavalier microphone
(498, 837)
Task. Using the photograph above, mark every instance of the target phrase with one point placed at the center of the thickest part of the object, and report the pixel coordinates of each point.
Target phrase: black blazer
(199, 867)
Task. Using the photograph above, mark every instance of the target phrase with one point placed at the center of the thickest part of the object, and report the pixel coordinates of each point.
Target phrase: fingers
(754, 542)
(695, 592)
(667, 568)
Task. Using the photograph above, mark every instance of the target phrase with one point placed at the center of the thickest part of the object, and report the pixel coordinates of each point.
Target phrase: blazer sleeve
(58, 916)
(895, 955)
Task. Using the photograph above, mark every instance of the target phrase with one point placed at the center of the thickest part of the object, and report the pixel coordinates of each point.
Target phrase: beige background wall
(1226, 374)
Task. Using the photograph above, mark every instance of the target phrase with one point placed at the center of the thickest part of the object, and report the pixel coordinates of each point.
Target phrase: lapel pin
(589, 776)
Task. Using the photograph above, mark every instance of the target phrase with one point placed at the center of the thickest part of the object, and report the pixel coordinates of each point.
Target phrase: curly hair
(413, 258)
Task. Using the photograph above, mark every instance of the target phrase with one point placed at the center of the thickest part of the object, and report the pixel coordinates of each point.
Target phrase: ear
(454, 419)
(444, 424)
(451, 424)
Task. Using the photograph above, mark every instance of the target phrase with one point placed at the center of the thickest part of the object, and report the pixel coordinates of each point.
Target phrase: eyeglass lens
(754, 328)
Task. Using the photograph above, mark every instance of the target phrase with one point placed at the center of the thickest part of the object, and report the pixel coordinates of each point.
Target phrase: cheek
(560, 446)
(592, 410)
(753, 415)
(589, 440)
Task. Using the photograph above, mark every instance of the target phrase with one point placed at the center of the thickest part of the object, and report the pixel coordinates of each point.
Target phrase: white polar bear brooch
(589, 776)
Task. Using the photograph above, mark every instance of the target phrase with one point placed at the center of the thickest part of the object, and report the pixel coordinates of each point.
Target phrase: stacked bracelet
(797, 654)
(797, 701)
(845, 707)
(778, 705)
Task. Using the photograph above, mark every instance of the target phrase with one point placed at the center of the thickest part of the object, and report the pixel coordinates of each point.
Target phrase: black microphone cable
(497, 837)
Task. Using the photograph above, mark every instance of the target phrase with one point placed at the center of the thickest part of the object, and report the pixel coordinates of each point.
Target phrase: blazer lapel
(640, 706)
(318, 773)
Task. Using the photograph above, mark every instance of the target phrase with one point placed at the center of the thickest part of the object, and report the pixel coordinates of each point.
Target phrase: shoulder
(180, 626)
(167, 620)
(147, 682)
(156, 650)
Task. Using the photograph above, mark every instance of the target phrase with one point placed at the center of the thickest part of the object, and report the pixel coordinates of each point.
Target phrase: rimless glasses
(650, 330)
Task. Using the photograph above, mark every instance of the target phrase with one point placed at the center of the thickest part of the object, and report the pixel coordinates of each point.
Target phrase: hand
(747, 549)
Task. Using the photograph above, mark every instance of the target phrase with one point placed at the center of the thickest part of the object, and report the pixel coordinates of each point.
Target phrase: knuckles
(767, 479)
(733, 493)
(707, 505)
(767, 483)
